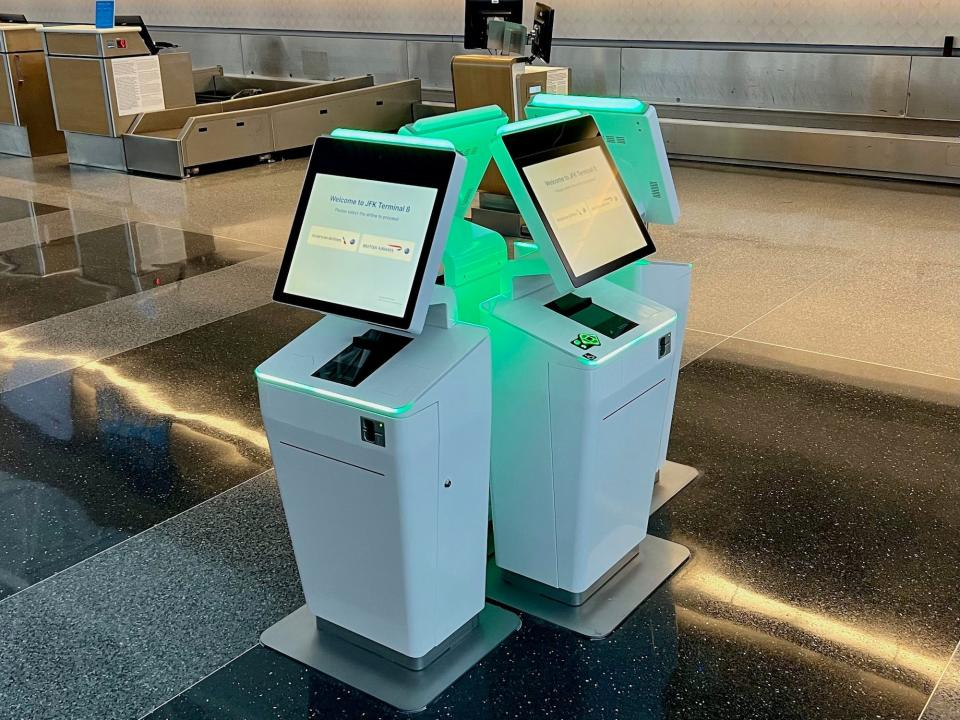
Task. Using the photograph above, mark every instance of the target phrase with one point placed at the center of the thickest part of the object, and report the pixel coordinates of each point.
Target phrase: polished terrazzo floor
(142, 543)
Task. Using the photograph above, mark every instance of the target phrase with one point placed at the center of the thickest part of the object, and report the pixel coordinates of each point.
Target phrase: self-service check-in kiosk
(582, 386)
(378, 419)
(631, 129)
(540, 456)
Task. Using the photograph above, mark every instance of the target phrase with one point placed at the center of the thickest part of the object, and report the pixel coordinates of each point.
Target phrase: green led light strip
(388, 139)
(585, 103)
(330, 395)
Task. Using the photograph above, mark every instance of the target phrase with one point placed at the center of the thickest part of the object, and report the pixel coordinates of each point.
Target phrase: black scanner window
(363, 357)
(584, 311)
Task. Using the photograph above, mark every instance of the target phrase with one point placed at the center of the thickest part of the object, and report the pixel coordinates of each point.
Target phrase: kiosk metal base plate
(673, 478)
(605, 610)
(297, 637)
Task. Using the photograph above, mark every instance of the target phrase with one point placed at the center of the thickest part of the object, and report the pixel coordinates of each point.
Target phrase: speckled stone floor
(143, 547)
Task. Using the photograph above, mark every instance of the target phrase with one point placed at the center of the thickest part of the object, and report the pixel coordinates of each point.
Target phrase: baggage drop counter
(101, 79)
(177, 143)
(27, 123)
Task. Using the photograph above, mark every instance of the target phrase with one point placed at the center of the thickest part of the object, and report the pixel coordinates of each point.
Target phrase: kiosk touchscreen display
(583, 203)
(364, 230)
(360, 243)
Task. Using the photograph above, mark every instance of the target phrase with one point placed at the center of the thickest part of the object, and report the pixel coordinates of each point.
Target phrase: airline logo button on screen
(585, 341)
(587, 210)
(386, 247)
(333, 238)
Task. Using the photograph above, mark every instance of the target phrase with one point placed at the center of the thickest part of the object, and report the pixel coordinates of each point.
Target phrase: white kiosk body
(386, 494)
(576, 440)
(378, 419)
(582, 368)
(631, 128)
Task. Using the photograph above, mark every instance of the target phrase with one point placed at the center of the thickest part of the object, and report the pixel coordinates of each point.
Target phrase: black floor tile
(823, 582)
(51, 278)
(91, 456)
(16, 209)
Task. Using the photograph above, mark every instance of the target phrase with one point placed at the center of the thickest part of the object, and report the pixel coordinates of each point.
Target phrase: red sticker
(121, 43)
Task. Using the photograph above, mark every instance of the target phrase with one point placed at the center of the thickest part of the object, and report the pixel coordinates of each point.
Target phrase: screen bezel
(370, 161)
(558, 140)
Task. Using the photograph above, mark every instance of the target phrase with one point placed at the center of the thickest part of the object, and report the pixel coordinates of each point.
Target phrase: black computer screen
(137, 21)
(12, 18)
(542, 43)
(478, 12)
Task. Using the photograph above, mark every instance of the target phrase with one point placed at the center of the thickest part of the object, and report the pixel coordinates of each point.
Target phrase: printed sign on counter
(138, 84)
(104, 13)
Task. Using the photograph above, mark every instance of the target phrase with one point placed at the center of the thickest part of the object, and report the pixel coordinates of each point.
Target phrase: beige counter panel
(174, 142)
(381, 107)
(87, 41)
(80, 95)
(176, 74)
(34, 103)
(17, 37)
(27, 123)
(8, 113)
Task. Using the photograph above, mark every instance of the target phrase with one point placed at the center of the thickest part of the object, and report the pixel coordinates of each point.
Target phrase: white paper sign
(138, 84)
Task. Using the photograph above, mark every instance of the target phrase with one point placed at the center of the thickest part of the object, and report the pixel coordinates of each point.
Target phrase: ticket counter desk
(101, 79)
(27, 123)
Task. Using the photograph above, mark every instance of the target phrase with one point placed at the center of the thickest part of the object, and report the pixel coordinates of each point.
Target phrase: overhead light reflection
(701, 583)
(142, 393)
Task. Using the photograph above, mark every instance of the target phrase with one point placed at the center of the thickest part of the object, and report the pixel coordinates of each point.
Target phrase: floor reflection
(823, 581)
(50, 277)
(93, 455)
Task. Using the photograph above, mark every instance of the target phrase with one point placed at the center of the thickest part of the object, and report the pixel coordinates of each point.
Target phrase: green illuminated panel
(472, 132)
(461, 118)
(334, 396)
(539, 122)
(585, 103)
(390, 139)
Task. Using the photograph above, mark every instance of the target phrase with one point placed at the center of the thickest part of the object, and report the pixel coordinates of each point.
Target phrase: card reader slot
(587, 313)
(363, 357)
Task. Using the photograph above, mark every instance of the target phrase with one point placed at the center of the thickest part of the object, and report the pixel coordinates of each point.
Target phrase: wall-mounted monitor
(12, 18)
(369, 230)
(541, 42)
(480, 12)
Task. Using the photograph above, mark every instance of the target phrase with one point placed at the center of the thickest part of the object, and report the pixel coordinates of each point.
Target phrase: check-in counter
(177, 143)
(101, 79)
(27, 123)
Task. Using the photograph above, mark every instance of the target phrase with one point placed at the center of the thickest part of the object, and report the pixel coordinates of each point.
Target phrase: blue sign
(105, 13)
